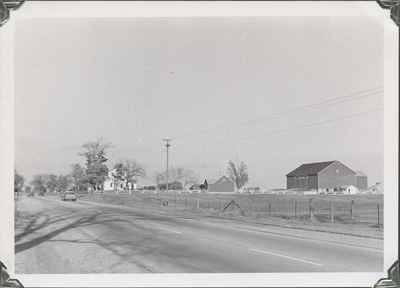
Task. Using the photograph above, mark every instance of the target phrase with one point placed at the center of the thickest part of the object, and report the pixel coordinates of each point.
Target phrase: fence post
(379, 220)
(198, 203)
(351, 209)
(332, 211)
(310, 210)
(269, 209)
(295, 208)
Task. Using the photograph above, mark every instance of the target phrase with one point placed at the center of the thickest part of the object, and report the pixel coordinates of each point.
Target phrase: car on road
(69, 195)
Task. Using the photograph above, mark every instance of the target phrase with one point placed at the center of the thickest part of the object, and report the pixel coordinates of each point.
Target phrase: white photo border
(97, 9)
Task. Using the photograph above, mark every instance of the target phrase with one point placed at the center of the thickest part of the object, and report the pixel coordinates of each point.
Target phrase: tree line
(83, 177)
(93, 173)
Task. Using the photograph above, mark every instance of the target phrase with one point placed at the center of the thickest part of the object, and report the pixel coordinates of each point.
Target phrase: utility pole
(167, 145)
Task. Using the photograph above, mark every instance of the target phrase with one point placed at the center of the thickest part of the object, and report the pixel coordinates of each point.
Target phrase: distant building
(361, 180)
(176, 185)
(376, 188)
(223, 184)
(349, 190)
(310, 192)
(250, 190)
(324, 177)
(112, 183)
(276, 191)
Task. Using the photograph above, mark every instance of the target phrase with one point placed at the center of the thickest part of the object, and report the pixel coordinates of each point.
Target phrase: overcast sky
(223, 89)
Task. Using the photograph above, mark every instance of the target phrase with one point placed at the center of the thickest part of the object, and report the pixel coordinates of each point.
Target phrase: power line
(332, 101)
(346, 117)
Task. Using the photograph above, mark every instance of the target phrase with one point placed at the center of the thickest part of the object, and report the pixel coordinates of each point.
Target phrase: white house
(113, 184)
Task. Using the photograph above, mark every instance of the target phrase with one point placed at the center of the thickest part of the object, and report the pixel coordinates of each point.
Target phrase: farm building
(349, 190)
(250, 190)
(112, 183)
(325, 177)
(361, 180)
(223, 184)
(376, 188)
(176, 185)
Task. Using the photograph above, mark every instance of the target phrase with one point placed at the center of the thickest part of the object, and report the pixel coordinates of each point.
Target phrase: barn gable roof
(223, 179)
(309, 169)
(360, 174)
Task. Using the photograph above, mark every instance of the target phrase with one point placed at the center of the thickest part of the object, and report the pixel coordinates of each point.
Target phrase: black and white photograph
(202, 145)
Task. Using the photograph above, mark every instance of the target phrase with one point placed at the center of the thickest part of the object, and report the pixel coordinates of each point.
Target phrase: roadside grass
(329, 213)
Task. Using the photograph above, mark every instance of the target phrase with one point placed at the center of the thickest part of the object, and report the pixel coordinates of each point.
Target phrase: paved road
(66, 237)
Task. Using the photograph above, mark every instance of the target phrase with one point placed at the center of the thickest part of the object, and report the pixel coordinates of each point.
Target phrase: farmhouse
(223, 184)
(112, 183)
(325, 177)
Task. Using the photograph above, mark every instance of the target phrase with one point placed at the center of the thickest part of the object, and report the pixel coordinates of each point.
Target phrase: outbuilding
(361, 181)
(223, 184)
(350, 190)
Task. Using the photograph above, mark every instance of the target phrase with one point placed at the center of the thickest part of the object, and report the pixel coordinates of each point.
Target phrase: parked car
(69, 195)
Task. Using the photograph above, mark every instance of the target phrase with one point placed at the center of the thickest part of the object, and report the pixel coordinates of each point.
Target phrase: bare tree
(78, 175)
(39, 184)
(128, 171)
(50, 182)
(18, 181)
(64, 182)
(96, 156)
(238, 173)
(182, 175)
(186, 176)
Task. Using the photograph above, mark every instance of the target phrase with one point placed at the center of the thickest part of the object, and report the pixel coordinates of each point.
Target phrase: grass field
(364, 210)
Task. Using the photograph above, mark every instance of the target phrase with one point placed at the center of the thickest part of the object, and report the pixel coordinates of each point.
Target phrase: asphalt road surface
(53, 236)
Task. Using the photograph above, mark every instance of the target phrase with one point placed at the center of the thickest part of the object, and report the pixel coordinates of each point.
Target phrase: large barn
(322, 176)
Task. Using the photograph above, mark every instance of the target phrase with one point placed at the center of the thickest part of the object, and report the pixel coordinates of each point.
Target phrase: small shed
(350, 190)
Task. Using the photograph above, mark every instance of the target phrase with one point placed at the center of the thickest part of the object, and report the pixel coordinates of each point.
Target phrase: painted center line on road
(285, 256)
(296, 237)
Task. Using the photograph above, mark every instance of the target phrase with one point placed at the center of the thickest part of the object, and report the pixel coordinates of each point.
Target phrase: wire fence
(349, 209)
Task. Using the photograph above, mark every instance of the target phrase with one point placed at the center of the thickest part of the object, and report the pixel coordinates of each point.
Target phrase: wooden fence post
(198, 203)
(379, 220)
(332, 211)
(295, 208)
(351, 209)
(310, 209)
